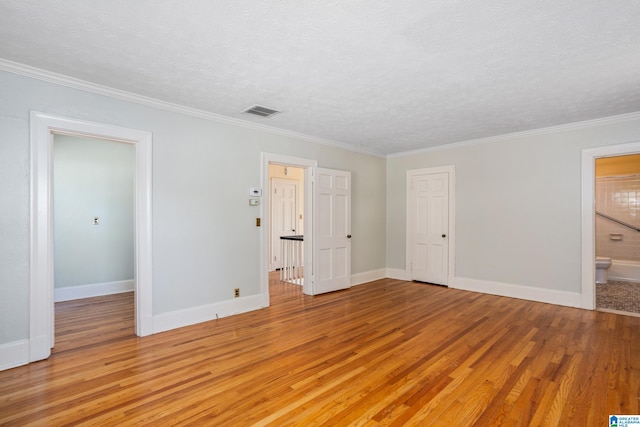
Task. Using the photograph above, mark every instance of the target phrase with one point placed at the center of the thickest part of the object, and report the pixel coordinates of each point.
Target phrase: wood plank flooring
(384, 353)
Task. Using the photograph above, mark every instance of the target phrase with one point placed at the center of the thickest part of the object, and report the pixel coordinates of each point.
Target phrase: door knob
(348, 236)
(444, 235)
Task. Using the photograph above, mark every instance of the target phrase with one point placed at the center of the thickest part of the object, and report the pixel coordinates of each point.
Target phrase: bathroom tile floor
(620, 296)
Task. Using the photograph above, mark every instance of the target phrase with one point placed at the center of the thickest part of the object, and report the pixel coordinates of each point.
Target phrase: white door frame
(307, 165)
(451, 170)
(41, 305)
(589, 156)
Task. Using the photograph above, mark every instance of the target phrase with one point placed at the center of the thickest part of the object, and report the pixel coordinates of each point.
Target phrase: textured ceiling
(382, 76)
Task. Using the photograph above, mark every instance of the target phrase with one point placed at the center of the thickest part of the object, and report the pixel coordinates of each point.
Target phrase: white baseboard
(550, 296)
(368, 276)
(92, 290)
(397, 273)
(204, 313)
(14, 354)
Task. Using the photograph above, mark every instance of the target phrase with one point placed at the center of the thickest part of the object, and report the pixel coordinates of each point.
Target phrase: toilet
(602, 265)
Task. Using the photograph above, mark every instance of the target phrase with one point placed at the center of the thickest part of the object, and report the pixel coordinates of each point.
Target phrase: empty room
(319, 213)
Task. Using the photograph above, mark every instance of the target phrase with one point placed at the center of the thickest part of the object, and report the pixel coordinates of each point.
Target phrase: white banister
(292, 259)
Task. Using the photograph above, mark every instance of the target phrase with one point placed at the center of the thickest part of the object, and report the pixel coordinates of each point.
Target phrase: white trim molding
(622, 118)
(368, 276)
(204, 313)
(43, 127)
(398, 274)
(550, 296)
(15, 353)
(91, 290)
(60, 79)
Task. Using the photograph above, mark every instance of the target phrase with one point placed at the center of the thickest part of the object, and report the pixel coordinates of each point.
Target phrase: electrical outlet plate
(236, 292)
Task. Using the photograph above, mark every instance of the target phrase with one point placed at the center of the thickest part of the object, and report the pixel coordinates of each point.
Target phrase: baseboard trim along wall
(569, 299)
(14, 354)
(368, 276)
(530, 293)
(92, 290)
(397, 274)
(204, 313)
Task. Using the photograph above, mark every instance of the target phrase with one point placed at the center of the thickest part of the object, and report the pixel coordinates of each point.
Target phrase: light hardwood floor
(384, 353)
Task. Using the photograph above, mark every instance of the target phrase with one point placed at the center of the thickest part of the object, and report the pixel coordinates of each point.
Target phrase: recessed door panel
(332, 230)
(427, 222)
(284, 216)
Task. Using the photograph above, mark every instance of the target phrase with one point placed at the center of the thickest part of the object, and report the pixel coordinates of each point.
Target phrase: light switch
(254, 202)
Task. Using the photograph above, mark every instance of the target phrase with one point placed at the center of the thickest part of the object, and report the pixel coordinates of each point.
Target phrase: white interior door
(331, 230)
(428, 227)
(284, 216)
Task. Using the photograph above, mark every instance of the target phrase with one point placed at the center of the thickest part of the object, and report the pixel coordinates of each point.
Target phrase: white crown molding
(551, 129)
(60, 79)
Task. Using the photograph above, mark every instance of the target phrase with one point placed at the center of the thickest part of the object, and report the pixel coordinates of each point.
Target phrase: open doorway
(93, 240)
(286, 232)
(286, 190)
(327, 226)
(41, 313)
(588, 257)
(272, 166)
(617, 233)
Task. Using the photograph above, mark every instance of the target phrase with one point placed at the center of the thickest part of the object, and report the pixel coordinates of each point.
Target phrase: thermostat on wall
(256, 192)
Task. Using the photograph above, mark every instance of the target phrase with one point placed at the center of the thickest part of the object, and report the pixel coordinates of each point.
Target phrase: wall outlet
(236, 292)
(257, 222)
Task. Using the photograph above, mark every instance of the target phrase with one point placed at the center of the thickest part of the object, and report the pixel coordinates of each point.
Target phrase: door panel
(284, 216)
(332, 229)
(428, 217)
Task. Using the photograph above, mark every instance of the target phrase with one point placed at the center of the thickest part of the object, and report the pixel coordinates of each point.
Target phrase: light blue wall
(518, 204)
(517, 200)
(92, 178)
(205, 242)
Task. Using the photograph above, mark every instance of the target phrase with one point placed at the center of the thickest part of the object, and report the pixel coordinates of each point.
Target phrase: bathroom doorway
(617, 233)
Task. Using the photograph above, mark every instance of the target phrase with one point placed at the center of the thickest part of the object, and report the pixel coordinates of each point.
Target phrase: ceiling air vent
(259, 110)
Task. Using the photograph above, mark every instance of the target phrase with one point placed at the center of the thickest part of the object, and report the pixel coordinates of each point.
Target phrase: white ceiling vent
(259, 110)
